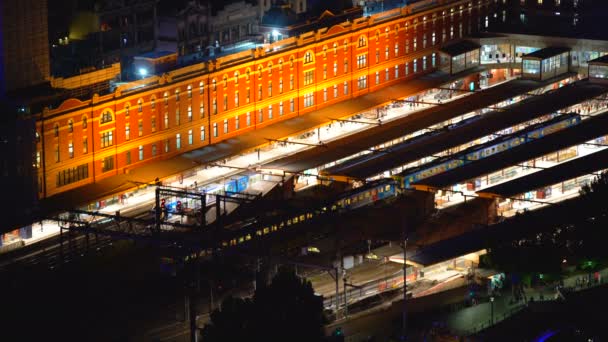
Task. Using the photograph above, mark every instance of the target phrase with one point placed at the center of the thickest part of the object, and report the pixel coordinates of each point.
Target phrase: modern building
(83, 141)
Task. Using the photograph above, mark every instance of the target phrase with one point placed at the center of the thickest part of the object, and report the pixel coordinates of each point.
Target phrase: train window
(258, 233)
(224, 244)
(309, 215)
(248, 237)
(302, 218)
(348, 201)
(381, 190)
(266, 230)
(295, 220)
(289, 222)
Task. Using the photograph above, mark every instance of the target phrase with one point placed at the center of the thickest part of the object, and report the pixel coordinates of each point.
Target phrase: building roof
(600, 60)
(459, 48)
(547, 52)
(553, 175)
(585, 131)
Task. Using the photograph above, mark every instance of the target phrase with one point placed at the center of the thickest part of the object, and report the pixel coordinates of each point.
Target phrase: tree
(286, 310)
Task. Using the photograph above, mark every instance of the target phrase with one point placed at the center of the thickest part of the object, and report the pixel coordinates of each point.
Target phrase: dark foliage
(286, 310)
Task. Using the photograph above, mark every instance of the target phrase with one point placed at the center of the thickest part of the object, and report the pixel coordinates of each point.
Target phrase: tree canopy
(285, 310)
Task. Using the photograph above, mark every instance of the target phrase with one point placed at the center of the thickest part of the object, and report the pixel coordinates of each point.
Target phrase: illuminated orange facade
(81, 142)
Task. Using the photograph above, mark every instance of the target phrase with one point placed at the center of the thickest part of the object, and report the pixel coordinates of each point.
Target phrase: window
(415, 65)
(154, 150)
(57, 154)
(214, 106)
(280, 108)
(424, 63)
(153, 124)
(201, 88)
(177, 116)
(362, 82)
(70, 126)
(84, 122)
(335, 90)
(106, 117)
(260, 92)
(71, 149)
(377, 77)
(324, 72)
(335, 49)
(415, 44)
(166, 120)
(140, 105)
(361, 61)
(396, 49)
(178, 141)
(260, 72)
(189, 91)
(107, 139)
(213, 85)
(345, 65)
(166, 145)
(386, 75)
(248, 119)
(127, 110)
(335, 68)
(308, 57)
(190, 137)
(407, 69)
(248, 98)
(85, 145)
(202, 133)
(309, 100)
(225, 81)
(280, 86)
(166, 98)
(290, 82)
(269, 89)
(107, 164)
(38, 159)
(127, 131)
(345, 88)
(325, 95)
(237, 122)
(260, 115)
(140, 128)
(225, 126)
(292, 105)
(377, 55)
(225, 102)
(362, 42)
(152, 103)
(140, 149)
(270, 112)
(269, 69)
(201, 110)
(128, 157)
(176, 94)
(386, 53)
(215, 129)
(309, 77)
(72, 175)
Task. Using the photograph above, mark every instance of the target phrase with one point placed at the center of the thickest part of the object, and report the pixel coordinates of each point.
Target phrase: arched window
(325, 51)
(176, 94)
(308, 57)
(106, 117)
(280, 65)
(189, 89)
(225, 80)
(362, 41)
(152, 103)
(201, 87)
(140, 105)
(84, 122)
(213, 84)
(247, 74)
(127, 110)
(56, 129)
(166, 97)
(260, 72)
(269, 68)
(236, 77)
(345, 45)
(291, 62)
(70, 126)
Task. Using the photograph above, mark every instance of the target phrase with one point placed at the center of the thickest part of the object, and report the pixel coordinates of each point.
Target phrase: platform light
(143, 72)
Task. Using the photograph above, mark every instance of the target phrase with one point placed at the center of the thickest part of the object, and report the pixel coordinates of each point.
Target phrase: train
(367, 194)
(498, 145)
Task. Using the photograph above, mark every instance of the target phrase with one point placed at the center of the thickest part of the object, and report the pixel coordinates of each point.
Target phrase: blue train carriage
(367, 194)
(239, 184)
(554, 125)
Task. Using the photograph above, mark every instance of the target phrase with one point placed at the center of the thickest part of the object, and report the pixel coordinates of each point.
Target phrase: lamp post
(492, 310)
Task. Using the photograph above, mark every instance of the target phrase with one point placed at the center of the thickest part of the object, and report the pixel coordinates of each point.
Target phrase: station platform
(421, 119)
(249, 141)
(569, 170)
(587, 130)
(406, 152)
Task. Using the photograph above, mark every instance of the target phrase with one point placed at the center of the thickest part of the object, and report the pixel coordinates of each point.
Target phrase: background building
(24, 43)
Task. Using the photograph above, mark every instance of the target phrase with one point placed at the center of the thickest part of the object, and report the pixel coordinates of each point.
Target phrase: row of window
(72, 175)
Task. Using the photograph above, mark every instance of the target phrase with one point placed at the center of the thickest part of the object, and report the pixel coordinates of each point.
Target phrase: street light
(492, 310)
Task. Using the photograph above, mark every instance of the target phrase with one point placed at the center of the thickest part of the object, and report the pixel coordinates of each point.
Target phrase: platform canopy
(460, 56)
(546, 63)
